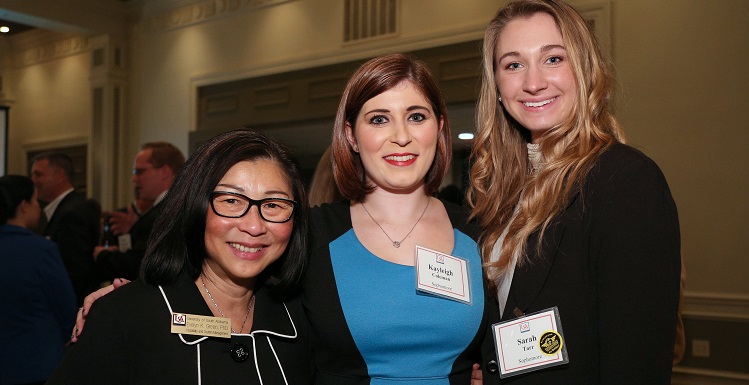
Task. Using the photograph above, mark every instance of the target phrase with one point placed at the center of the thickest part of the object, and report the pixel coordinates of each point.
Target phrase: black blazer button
(492, 367)
(240, 352)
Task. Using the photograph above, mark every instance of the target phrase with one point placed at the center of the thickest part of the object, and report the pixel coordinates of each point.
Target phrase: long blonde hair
(501, 178)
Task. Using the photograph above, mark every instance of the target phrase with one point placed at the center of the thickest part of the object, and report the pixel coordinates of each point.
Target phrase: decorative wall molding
(716, 306)
(458, 68)
(695, 376)
(328, 88)
(47, 47)
(218, 104)
(54, 142)
(199, 12)
(348, 53)
(51, 143)
(272, 96)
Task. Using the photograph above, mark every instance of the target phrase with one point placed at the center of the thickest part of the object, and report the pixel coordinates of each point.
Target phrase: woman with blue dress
(393, 291)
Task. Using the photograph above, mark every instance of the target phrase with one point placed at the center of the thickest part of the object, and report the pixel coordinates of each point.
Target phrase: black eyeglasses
(234, 205)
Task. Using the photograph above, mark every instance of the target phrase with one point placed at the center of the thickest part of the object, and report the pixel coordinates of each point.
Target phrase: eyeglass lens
(235, 205)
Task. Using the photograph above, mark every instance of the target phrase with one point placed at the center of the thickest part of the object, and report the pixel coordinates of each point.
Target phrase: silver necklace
(397, 244)
(249, 307)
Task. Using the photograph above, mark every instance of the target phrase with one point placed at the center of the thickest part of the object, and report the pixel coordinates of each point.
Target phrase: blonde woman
(575, 224)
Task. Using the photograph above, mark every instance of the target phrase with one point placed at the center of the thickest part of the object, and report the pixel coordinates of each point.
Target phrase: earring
(500, 98)
(356, 148)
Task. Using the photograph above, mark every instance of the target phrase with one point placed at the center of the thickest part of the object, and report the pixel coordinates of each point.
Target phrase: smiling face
(533, 73)
(395, 135)
(241, 248)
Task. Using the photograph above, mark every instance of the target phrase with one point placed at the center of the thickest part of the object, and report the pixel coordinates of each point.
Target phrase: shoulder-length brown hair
(371, 79)
(501, 178)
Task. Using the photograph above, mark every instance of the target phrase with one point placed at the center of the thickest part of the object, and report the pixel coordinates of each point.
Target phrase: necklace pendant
(396, 244)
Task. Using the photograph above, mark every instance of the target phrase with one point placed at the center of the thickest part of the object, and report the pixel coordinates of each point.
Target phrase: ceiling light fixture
(465, 136)
(4, 29)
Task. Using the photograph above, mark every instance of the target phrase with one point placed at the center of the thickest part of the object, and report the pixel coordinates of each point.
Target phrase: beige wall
(168, 65)
(51, 101)
(681, 64)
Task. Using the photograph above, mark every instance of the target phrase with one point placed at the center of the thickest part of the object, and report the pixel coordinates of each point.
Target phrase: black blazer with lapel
(610, 263)
(127, 340)
(74, 227)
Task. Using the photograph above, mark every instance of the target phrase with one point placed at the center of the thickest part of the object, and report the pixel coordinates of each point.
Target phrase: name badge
(200, 325)
(124, 242)
(443, 275)
(532, 342)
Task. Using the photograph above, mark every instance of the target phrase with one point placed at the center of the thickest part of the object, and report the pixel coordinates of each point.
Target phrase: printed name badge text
(200, 325)
(443, 275)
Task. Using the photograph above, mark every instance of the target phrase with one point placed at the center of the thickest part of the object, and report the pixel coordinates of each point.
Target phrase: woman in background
(37, 302)
(571, 217)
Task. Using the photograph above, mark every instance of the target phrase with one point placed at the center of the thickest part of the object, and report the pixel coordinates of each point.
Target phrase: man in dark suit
(154, 169)
(72, 221)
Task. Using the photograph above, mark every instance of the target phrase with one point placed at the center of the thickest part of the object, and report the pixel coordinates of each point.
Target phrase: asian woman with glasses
(214, 303)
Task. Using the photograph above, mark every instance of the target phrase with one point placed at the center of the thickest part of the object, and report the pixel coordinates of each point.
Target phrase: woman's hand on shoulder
(80, 318)
(477, 377)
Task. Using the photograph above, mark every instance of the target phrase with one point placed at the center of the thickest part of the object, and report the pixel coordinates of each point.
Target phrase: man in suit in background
(155, 167)
(72, 221)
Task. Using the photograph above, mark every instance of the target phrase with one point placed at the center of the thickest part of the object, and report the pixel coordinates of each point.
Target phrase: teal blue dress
(369, 323)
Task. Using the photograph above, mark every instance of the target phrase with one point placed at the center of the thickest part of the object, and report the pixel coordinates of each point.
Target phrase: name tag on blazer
(529, 343)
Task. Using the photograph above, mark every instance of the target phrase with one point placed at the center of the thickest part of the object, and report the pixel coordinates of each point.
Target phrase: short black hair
(14, 189)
